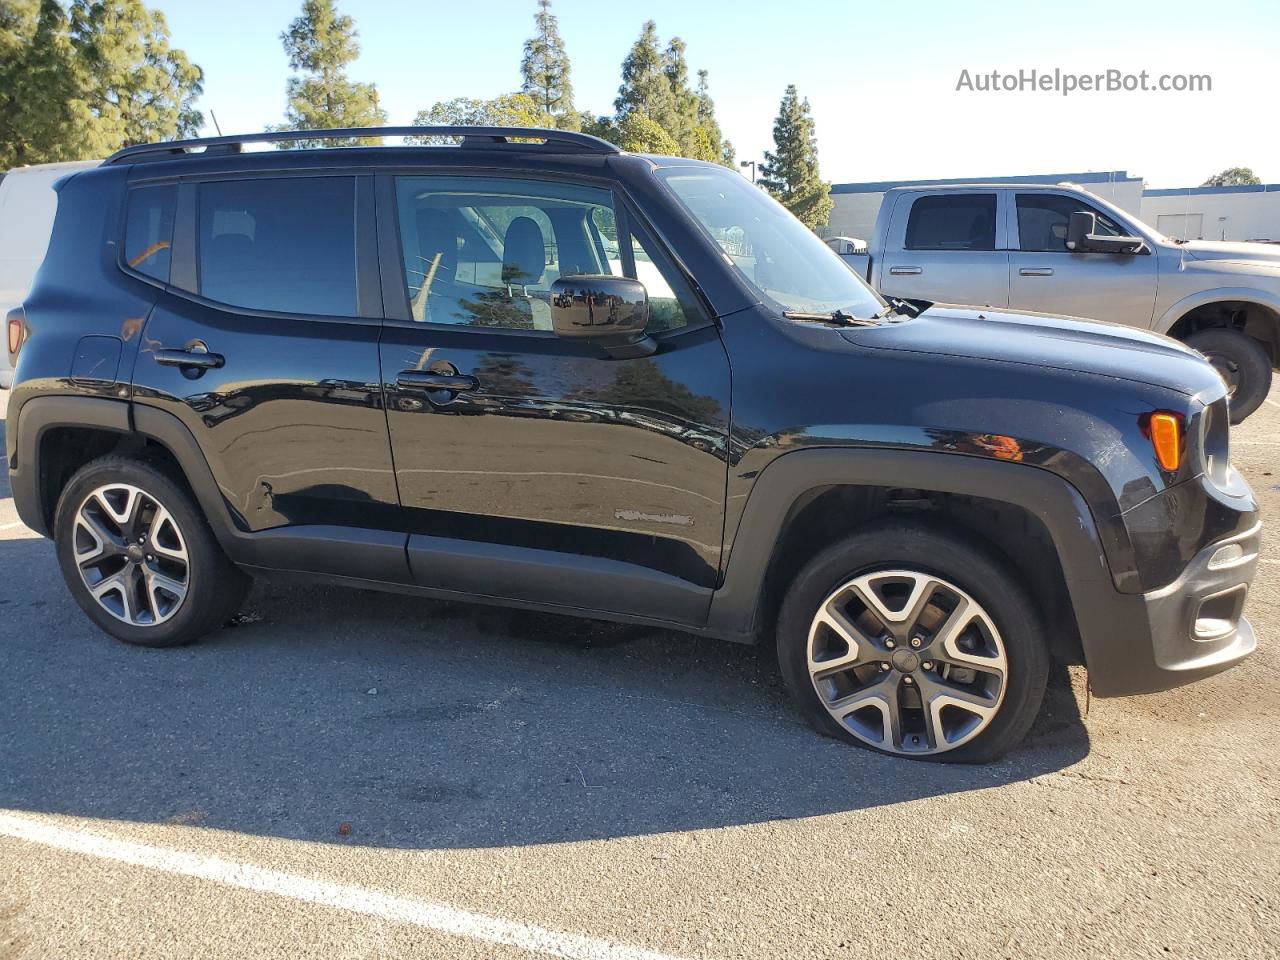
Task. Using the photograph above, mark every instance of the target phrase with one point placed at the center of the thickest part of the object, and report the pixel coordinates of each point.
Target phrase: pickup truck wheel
(140, 558)
(1242, 362)
(911, 641)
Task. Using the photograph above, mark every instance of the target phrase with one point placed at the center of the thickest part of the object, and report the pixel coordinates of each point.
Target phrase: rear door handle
(426, 380)
(1035, 271)
(193, 359)
(905, 271)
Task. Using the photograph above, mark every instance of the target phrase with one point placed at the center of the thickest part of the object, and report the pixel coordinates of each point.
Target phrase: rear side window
(964, 221)
(148, 232)
(282, 244)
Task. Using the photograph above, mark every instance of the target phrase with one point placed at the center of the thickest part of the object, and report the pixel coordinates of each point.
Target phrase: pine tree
(138, 87)
(43, 117)
(320, 44)
(681, 120)
(80, 86)
(18, 19)
(645, 87)
(546, 71)
(791, 173)
(720, 149)
(655, 89)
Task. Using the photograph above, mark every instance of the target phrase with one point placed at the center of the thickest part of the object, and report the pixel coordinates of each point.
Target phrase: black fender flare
(1103, 614)
(26, 430)
(38, 415)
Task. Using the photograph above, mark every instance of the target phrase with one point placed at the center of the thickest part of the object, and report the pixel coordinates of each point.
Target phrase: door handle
(426, 380)
(1035, 271)
(904, 271)
(197, 359)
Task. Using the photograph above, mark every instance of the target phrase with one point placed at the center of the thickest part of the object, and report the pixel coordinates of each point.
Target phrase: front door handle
(426, 380)
(193, 359)
(905, 271)
(1035, 271)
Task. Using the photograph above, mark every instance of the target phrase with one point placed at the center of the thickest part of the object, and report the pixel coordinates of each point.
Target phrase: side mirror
(1082, 237)
(1079, 227)
(611, 312)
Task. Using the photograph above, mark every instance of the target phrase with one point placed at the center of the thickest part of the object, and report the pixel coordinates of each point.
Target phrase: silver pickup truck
(1060, 249)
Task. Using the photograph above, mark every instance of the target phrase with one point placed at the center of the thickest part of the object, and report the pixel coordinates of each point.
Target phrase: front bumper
(1190, 629)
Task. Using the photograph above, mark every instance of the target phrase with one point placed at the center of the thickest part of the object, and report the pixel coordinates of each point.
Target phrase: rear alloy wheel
(914, 640)
(907, 662)
(131, 555)
(139, 556)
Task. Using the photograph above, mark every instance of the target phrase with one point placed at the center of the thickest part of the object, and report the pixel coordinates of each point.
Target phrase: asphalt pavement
(354, 774)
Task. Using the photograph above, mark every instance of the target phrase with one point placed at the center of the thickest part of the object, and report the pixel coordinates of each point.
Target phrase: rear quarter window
(148, 233)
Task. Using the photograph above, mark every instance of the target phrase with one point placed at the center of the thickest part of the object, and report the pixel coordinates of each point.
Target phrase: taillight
(1164, 430)
(16, 330)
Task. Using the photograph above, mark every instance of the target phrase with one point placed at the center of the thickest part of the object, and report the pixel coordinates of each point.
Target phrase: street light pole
(752, 165)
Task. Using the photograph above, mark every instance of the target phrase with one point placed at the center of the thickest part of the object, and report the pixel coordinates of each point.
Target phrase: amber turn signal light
(15, 331)
(1165, 431)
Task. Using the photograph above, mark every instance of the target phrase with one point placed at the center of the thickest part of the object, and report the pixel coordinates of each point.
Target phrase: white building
(1215, 213)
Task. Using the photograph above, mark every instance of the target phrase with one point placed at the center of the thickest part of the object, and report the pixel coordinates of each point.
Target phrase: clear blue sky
(881, 76)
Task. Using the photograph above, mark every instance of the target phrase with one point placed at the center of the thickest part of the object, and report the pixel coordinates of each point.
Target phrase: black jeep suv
(526, 368)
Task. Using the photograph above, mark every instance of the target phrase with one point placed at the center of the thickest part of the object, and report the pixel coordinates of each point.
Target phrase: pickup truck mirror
(611, 312)
(1082, 237)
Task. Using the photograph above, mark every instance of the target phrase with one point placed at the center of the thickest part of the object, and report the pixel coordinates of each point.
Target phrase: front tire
(1243, 364)
(911, 641)
(139, 557)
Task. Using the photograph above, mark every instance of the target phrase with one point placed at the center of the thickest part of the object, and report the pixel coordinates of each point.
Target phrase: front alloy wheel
(131, 555)
(907, 662)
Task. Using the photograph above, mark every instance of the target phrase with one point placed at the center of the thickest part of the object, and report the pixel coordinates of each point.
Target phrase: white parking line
(421, 913)
(11, 526)
(1270, 401)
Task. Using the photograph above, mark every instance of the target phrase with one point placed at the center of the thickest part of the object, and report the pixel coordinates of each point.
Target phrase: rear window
(148, 232)
(957, 222)
(281, 244)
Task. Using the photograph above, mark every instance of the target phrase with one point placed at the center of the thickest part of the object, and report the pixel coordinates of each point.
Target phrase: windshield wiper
(838, 317)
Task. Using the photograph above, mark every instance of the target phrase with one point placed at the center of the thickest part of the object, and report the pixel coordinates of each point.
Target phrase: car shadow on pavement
(428, 725)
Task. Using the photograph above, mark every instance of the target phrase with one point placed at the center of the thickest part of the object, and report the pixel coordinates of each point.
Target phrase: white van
(27, 205)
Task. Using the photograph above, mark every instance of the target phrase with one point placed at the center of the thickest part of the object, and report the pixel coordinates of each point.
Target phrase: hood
(1046, 340)
(1261, 253)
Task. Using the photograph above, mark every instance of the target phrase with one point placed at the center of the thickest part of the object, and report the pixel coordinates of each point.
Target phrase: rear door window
(148, 233)
(279, 244)
(965, 221)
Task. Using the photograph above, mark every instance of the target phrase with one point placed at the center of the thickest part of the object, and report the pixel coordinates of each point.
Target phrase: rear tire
(956, 673)
(1243, 363)
(139, 557)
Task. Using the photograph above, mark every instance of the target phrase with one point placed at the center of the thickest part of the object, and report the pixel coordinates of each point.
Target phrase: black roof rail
(562, 141)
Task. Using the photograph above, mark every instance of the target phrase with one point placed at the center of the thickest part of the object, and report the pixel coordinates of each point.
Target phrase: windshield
(785, 262)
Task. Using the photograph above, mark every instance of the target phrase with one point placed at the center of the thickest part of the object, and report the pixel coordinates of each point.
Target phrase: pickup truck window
(965, 221)
(784, 262)
(1043, 218)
